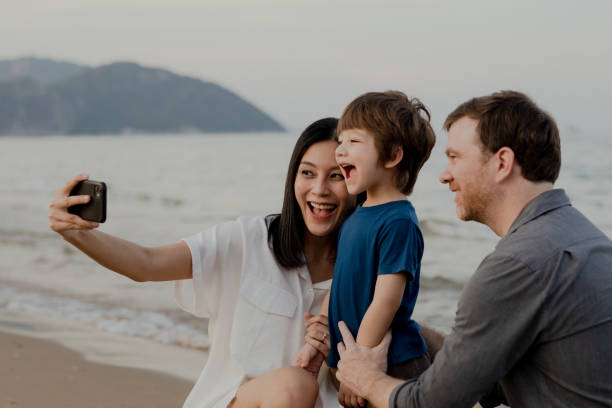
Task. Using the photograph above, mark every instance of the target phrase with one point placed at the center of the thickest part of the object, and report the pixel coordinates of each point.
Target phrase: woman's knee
(296, 387)
(285, 387)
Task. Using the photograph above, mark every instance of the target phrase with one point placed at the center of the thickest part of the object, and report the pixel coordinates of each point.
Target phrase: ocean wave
(172, 201)
(436, 283)
(35, 186)
(434, 227)
(437, 226)
(152, 325)
(24, 237)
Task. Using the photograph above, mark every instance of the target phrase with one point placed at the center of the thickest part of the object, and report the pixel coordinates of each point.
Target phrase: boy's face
(357, 157)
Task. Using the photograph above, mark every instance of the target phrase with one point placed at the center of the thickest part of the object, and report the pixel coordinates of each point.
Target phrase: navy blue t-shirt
(374, 241)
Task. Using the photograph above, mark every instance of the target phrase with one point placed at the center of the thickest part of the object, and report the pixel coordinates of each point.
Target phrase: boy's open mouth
(347, 169)
(321, 210)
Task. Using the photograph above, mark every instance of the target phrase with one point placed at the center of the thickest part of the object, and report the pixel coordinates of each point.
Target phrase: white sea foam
(153, 326)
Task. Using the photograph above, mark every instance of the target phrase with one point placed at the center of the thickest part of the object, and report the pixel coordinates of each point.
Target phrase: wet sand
(41, 373)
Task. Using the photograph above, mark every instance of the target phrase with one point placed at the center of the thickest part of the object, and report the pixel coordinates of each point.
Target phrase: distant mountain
(44, 71)
(121, 97)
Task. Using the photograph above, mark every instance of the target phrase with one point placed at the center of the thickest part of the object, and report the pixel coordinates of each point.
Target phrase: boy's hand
(315, 364)
(309, 359)
(348, 398)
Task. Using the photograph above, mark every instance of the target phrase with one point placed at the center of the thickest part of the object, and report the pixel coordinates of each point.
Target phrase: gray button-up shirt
(536, 316)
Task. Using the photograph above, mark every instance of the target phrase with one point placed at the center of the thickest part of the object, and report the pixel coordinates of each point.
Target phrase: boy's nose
(340, 150)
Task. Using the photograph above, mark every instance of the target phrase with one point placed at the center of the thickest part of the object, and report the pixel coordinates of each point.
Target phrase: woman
(253, 278)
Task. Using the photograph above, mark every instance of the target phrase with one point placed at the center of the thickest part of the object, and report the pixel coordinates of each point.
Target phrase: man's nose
(446, 176)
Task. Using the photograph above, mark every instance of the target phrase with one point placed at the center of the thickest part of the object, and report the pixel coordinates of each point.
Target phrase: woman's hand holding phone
(60, 220)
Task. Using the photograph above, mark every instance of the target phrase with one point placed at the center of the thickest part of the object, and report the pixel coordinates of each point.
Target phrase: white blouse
(255, 310)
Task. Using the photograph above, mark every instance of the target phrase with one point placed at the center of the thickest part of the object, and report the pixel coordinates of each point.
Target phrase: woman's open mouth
(321, 210)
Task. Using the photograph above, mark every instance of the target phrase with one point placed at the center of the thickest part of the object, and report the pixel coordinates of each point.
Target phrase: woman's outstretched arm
(169, 262)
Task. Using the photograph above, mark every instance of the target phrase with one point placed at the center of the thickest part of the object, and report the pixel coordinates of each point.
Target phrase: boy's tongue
(349, 171)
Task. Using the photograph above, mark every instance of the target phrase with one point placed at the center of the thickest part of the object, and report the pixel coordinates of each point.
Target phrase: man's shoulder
(551, 233)
(545, 252)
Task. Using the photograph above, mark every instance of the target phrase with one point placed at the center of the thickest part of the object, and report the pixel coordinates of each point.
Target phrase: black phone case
(95, 209)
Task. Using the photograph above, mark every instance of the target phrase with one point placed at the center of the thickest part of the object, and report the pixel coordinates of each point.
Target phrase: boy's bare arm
(325, 305)
(388, 294)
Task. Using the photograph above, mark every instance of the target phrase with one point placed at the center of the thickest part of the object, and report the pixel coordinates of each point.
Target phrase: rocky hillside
(117, 98)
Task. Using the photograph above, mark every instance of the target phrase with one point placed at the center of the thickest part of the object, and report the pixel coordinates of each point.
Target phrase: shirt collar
(303, 272)
(543, 203)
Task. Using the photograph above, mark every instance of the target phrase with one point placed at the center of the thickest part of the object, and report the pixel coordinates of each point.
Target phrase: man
(534, 323)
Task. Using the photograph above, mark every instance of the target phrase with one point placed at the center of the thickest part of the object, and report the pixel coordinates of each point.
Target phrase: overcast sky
(301, 60)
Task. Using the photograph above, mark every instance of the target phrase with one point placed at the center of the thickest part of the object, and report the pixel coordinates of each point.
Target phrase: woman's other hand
(317, 333)
(60, 220)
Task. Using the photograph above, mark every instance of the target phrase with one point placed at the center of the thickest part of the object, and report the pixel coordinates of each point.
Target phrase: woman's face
(320, 190)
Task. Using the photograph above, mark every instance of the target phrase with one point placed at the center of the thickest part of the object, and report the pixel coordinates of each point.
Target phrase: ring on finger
(324, 338)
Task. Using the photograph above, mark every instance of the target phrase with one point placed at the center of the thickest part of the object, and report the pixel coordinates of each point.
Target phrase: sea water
(165, 187)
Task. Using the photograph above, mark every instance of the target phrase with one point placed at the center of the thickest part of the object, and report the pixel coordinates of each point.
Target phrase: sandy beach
(41, 373)
(54, 363)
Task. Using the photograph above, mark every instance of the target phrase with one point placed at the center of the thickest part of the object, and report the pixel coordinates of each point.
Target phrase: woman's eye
(338, 176)
(306, 172)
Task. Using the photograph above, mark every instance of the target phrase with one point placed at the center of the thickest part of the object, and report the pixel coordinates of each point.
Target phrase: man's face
(469, 173)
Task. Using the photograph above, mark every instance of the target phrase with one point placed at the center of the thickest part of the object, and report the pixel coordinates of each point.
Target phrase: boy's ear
(398, 155)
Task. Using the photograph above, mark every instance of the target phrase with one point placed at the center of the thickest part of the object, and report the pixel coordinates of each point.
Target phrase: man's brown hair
(395, 121)
(511, 119)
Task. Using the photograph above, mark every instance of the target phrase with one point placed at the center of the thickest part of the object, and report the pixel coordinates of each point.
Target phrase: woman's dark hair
(286, 230)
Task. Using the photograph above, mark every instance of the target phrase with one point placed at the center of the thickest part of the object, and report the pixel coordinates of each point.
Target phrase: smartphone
(95, 209)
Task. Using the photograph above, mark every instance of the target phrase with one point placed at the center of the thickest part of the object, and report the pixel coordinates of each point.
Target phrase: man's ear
(504, 159)
(398, 155)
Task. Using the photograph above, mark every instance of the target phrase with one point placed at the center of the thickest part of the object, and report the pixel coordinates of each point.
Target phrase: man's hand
(362, 369)
(359, 364)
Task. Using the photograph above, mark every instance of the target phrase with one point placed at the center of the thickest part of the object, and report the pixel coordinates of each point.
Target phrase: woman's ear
(398, 155)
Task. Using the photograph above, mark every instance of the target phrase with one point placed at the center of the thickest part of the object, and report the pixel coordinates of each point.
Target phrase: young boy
(384, 140)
